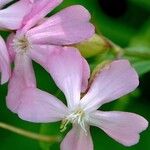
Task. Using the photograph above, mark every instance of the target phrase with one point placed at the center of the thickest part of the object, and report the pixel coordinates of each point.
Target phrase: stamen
(78, 117)
(64, 124)
(21, 45)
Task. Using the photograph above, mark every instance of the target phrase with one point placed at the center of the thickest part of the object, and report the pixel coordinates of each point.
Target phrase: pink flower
(115, 80)
(69, 26)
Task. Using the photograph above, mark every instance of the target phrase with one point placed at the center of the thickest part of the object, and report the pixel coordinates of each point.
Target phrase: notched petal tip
(125, 62)
(123, 127)
(82, 10)
(137, 136)
(130, 142)
(145, 124)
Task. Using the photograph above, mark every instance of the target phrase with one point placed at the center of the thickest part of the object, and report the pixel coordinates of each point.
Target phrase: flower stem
(29, 134)
(133, 53)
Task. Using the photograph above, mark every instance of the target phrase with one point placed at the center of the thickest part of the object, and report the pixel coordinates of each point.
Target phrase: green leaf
(142, 39)
(142, 66)
(139, 50)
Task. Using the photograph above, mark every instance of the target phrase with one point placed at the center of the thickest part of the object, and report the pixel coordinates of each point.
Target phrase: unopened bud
(95, 45)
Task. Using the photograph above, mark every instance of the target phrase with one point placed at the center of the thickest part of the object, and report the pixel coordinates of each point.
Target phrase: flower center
(21, 44)
(77, 117)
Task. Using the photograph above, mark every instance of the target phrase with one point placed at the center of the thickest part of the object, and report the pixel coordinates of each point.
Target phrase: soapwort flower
(38, 37)
(113, 81)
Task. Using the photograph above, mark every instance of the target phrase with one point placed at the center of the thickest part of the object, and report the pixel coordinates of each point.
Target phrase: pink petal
(122, 126)
(76, 139)
(39, 10)
(114, 81)
(39, 106)
(69, 26)
(12, 17)
(32, 1)
(42, 54)
(22, 77)
(9, 44)
(4, 62)
(66, 68)
(86, 75)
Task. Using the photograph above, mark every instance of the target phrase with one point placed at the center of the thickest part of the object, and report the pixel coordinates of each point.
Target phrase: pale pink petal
(86, 75)
(39, 106)
(65, 66)
(77, 139)
(22, 77)
(42, 54)
(32, 1)
(39, 10)
(9, 44)
(12, 17)
(4, 62)
(68, 14)
(69, 26)
(114, 81)
(4, 2)
(124, 127)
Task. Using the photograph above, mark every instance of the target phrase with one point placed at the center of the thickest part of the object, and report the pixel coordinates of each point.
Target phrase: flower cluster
(48, 41)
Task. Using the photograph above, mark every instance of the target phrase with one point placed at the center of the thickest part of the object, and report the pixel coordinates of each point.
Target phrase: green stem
(30, 134)
(133, 53)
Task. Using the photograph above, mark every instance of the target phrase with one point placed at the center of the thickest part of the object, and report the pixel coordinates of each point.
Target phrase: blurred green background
(125, 22)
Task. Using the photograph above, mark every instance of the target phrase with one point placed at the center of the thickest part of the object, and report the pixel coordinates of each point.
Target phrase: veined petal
(32, 1)
(39, 10)
(66, 68)
(39, 106)
(9, 44)
(12, 17)
(68, 14)
(114, 81)
(69, 26)
(124, 127)
(76, 139)
(86, 75)
(42, 53)
(22, 77)
(4, 62)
